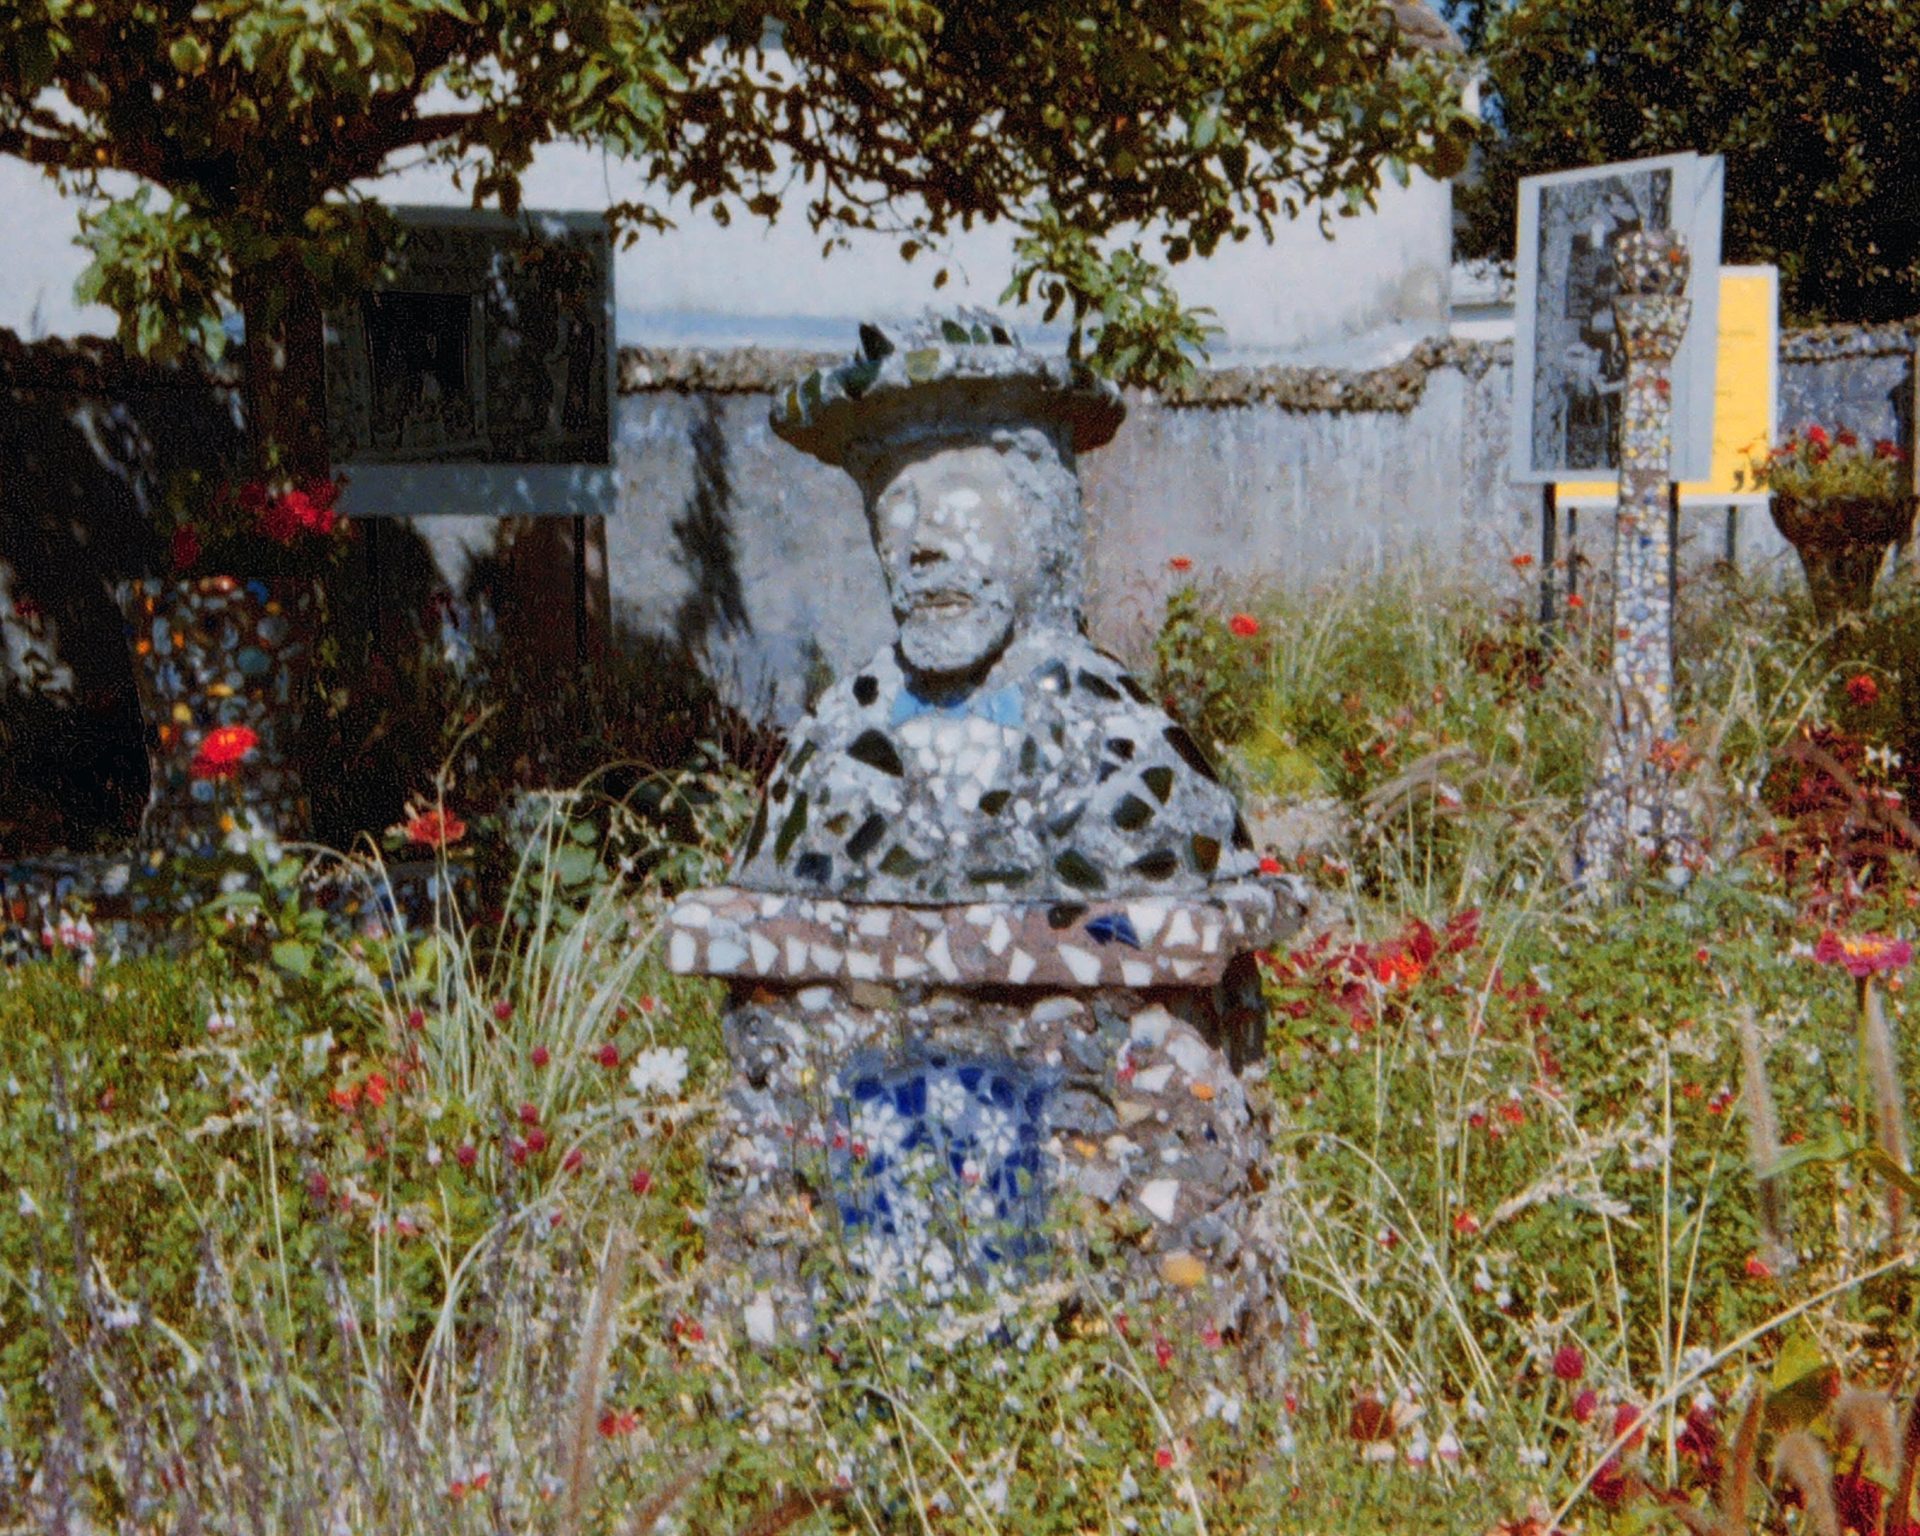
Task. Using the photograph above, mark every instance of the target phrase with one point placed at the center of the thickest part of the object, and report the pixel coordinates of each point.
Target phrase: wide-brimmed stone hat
(945, 371)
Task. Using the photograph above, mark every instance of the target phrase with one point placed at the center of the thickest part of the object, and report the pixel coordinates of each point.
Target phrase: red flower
(417, 1020)
(1862, 691)
(536, 1140)
(688, 1329)
(1846, 439)
(1369, 1419)
(1575, 600)
(305, 509)
(1466, 1223)
(466, 1154)
(184, 548)
(623, 1422)
(1610, 1484)
(1758, 1268)
(1585, 1404)
(608, 1055)
(1626, 1421)
(540, 1056)
(1569, 1364)
(1181, 563)
(376, 1089)
(1245, 625)
(1818, 436)
(529, 1115)
(572, 1160)
(435, 829)
(1863, 955)
(1521, 562)
(344, 1099)
(317, 1185)
(221, 752)
(1163, 1352)
(641, 1182)
(1269, 866)
(1886, 448)
(1163, 1458)
(503, 1010)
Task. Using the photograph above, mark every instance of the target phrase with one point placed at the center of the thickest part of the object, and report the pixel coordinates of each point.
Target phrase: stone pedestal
(937, 1100)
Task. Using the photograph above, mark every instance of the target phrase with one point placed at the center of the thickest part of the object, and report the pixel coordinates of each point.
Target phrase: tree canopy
(1814, 103)
(1083, 123)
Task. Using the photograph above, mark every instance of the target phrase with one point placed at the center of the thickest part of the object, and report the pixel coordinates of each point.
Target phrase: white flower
(660, 1069)
(879, 1127)
(946, 1099)
(996, 1134)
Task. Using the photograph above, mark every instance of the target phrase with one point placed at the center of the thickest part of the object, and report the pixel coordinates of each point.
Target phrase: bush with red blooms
(1366, 982)
(1815, 465)
(1837, 821)
(254, 528)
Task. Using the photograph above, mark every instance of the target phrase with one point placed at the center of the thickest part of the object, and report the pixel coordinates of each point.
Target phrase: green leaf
(575, 864)
(188, 54)
(294, 958)
(1798, 1388)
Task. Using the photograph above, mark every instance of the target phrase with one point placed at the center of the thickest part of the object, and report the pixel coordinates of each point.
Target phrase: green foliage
(1811, 101)
(1206, 675)
(1080, 123)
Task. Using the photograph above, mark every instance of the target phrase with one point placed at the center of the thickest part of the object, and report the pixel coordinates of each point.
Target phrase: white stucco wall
(1359, 299)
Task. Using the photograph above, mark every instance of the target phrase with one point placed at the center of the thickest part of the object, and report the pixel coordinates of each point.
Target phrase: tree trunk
(285, 388)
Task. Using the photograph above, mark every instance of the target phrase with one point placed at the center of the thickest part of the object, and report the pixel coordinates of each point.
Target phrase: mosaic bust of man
(990, 752)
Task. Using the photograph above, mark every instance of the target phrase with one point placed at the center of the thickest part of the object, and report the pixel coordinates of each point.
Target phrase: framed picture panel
(1569, 370)
(479, 379)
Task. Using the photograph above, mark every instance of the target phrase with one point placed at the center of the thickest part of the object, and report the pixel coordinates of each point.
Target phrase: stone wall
(757, 557)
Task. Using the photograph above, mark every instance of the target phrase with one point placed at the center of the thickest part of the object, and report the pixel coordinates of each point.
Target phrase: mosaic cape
(1056, 778)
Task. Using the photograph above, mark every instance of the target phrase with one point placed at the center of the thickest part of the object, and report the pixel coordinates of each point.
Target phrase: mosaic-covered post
(1636, 815)
(990, 939)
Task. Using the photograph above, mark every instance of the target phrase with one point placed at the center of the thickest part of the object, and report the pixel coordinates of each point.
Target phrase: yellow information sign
(1745, 395)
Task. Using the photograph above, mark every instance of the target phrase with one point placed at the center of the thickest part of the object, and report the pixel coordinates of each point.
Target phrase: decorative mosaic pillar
(208, 654)
(990, 939)
(1636, 815)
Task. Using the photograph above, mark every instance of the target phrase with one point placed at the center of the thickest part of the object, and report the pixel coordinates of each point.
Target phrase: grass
(312, 1232)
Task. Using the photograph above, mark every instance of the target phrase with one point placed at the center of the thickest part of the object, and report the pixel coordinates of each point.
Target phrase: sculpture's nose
(924, 555)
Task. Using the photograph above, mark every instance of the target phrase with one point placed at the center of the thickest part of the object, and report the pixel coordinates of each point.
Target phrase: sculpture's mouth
(942, 605)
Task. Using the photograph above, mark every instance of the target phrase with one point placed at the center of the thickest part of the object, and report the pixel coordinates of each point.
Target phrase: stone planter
(209, 653)
(1841, 545)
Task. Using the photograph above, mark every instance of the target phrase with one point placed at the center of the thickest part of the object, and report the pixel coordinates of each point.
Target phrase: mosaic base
(929, 1141)
(117, 906)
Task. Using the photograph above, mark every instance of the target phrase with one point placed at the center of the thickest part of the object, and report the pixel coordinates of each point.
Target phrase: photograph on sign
(479, 377)
(1569, 370)
(1746, 398)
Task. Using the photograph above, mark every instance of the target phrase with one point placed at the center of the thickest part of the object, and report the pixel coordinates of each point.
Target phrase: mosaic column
(1636, 815)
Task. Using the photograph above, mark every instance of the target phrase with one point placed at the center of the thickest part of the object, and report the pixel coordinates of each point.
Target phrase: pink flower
(1585, 1404)
(608, 1055)
(1863, 954)
(540, 1056)
(466, 1154)
(641, 1182)
(1569, 1364)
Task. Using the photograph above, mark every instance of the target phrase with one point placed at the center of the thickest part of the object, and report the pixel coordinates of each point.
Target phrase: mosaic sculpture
(990, 938)
(211, 656)
(1637, 816)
